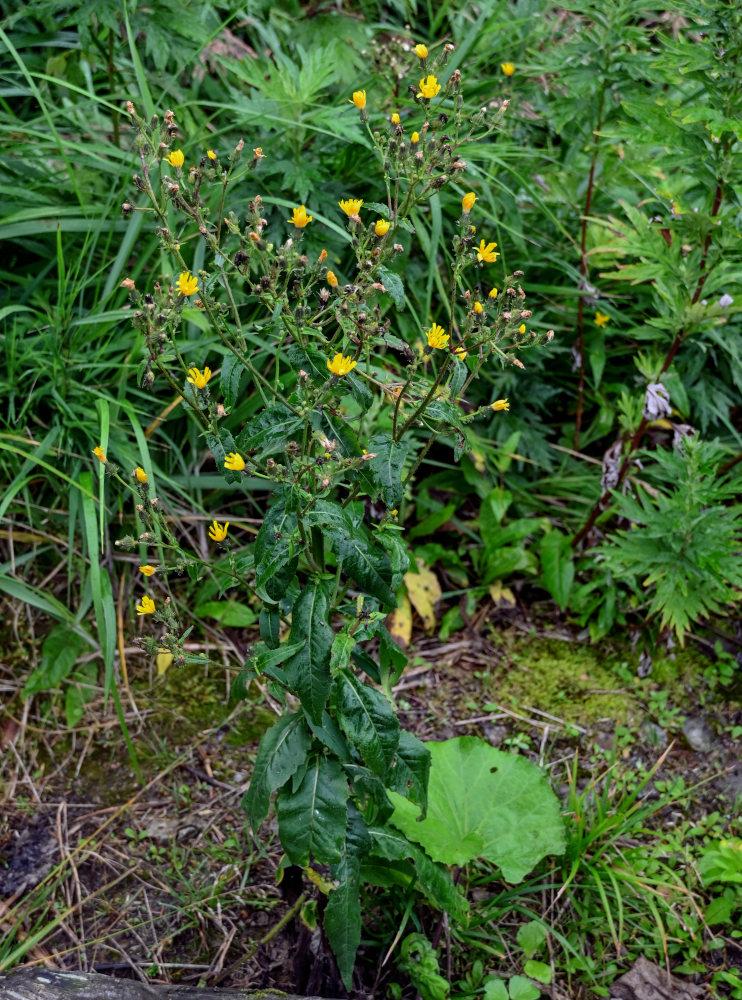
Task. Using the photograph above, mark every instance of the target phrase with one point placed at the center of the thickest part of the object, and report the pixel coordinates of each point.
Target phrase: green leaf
(386, 467)
(270, 626)
(232, 374)
(230, 613)
(282, 751)
(531, 937)
(433, 878)
(308, 671)
(269, 658)
(312, 817)
(485, 803)
(342, 647)
(539, 971)
(368, 566)
(330, 517)
(367, 719)
(58, 656)
(557, 566)
(275, 561)
(342, 918)
(393, 284)
(268, 432)
(410, 770)
(720, 910)
(495, 989)
(523, 989)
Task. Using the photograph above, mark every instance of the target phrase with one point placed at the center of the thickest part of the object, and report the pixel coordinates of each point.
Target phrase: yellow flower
(415, 137)
(322, 257)
(522, 328)
(148, 570)
(332, 280)
(218, 532)
(421, 51)
(437, 337)
(197, 378)
(351, 206)
(461, 354)
(467, 202)
(140, 474)
(211, 154)
(486, 251)
(186, 283)
(500, 404)
(359, 99)
(234, 462)
(100, 455)
(176, 158)
(382, 227)
(258, 153)
(429, 87)
(395, 119)
(478, 307)
(493, 293)
(146, 607)
(340, 365)
(507, 68)
(300, 217)
(601, 319)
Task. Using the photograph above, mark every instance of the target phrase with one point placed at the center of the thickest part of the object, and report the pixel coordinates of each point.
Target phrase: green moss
(573, 682)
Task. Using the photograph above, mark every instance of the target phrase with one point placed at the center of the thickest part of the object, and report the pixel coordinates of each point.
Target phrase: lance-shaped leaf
(367, 719)
(386, 467)
(342, 918)
(308, 671)
(334, 521)
(311, 818)
(275, 562)
(233, 371)
(269, 431)
(369, 566)
(270, 626)
(282, 751)
(433, 878)
(410, 770)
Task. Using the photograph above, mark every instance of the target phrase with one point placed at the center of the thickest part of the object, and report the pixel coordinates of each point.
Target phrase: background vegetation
(606, 498)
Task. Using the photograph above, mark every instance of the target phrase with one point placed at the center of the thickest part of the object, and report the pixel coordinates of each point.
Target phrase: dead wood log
(49, 984)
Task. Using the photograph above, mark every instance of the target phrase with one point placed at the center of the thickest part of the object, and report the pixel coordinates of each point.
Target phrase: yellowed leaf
(399, 622)
(501, 595)
(425, 592)
(164, 661)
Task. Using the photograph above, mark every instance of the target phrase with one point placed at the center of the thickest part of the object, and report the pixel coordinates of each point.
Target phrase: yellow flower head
(300, 217)
(601, 319)
(234, 462)
(478, 307)
(415, 137)
(437, 337)
(395, 119)
(429, 87)
(176, 158)
(100, 455)
(258, 153)
(486, 251)
(351, 206)
(500, 404)
(218, 532)
(492, 293)
(148, 570)
(461, 354)
(146, 607)
(340, 365)
(467, 202)
(421, 51)
(186, 284)
(140, 474)
(522, 328)
(359, 99)
(332, 280)
(507, 68)
(197, 378)
(382, 227)
(211, 154)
